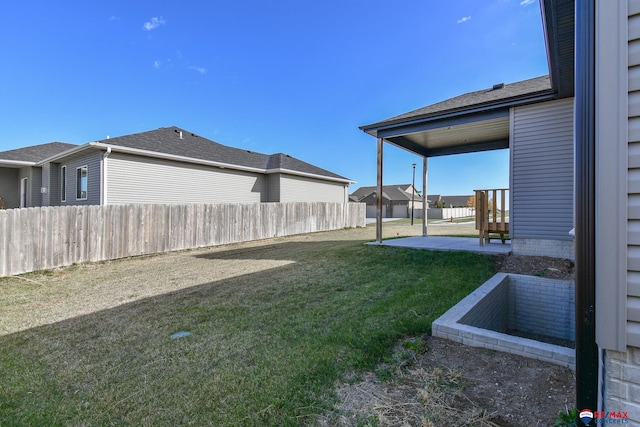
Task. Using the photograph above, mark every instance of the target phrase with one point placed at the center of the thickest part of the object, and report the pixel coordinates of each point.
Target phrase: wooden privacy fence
(48, 237)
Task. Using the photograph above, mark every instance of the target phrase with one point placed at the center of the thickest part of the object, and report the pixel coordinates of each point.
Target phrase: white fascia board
(64, 154)
(310, 175)
(15, 163)
(164, 156)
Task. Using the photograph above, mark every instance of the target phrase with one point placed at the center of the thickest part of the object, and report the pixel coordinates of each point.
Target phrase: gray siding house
(21, 176)
(166, 165)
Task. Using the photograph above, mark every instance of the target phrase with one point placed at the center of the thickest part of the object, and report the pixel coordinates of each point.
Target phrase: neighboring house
(171, 165)
(20, 175)
(396, 201)
(545, 126)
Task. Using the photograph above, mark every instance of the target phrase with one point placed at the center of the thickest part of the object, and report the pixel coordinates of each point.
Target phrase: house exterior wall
(618, 269)
(273, 188)
(301, 189)
(541, 205)
(89, 159)
(10, 187)
(54, 187)
(34, 182)
(137, 179)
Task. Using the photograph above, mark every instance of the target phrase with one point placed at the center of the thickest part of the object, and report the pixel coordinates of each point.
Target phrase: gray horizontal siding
(300, 189)
(34, 183)
(633, 189)
(10, 187)
(92, 161)
(542, 165)
(273, 188)
(136, 179)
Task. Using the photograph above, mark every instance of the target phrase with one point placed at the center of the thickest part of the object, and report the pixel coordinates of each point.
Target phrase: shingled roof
(390, 192)
(497, 94)
(184, 145)
(35, 153)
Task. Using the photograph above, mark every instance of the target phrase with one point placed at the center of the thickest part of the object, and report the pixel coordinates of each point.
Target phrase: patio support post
(379, 194)
(425, 172)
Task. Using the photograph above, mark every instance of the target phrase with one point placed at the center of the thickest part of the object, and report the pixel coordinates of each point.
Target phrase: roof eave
(65, 154)
(558, 20)
(309, 175)
(16, 163)
(164, 156)
(530, 98)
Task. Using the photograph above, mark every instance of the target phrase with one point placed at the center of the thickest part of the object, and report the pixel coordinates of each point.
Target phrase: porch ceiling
(455, 138)
(475, 121)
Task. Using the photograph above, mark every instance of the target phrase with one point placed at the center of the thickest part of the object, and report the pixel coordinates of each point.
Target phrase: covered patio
(472, 122)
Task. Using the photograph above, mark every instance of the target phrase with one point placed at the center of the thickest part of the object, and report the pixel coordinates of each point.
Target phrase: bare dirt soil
(480, 386)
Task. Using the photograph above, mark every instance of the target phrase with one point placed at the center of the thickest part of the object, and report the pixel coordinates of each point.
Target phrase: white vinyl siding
(542, 165)
(136, 179)
(300, 189)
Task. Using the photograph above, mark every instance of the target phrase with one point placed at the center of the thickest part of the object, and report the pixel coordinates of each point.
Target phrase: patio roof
(475, 121)
(479, 121)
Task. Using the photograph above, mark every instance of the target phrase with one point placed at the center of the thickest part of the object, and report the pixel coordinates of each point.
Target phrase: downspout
(584, 208)
(103, 178)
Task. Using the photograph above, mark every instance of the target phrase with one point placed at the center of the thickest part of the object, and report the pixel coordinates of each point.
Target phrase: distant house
(21, 176)
(396, 201)
(166, 165)
(439, 201)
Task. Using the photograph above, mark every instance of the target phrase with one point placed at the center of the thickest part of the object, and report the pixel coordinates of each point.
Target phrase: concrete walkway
(442, 243)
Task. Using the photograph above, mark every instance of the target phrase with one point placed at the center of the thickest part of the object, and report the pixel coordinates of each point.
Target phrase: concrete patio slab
(442, 243)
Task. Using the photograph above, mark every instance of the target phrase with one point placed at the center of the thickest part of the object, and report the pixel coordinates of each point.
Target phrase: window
(81, 183)
(63, 184)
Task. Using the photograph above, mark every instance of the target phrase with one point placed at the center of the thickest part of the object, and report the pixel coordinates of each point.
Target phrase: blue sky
(297, 77)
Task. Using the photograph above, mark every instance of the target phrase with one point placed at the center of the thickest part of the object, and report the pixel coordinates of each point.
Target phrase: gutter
(309, 175)
(478, 108)
(16, 163)
(164, 156)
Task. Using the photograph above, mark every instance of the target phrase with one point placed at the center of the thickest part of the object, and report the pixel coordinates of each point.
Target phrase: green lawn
(265, 348)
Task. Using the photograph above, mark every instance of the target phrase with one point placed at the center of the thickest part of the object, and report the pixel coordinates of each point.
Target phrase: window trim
(63, 183)
(79, 180)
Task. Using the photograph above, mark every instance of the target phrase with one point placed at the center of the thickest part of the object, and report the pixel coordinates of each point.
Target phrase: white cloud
(526, 2)
(154, 23)
(201, 70)
(463, 19)
(156, 64)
